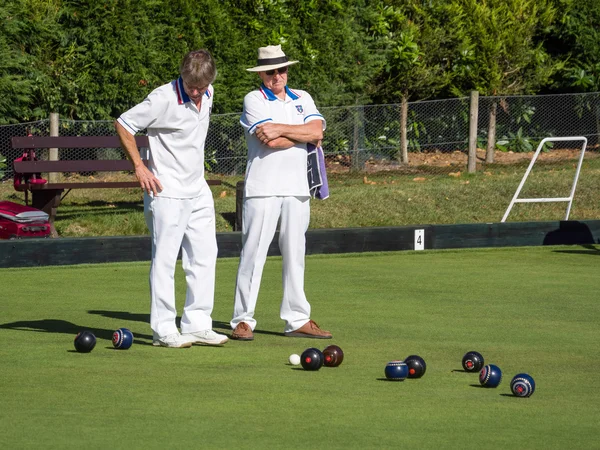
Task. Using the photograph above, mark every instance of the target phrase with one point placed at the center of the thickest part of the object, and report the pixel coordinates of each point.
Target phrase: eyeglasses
(280, 71)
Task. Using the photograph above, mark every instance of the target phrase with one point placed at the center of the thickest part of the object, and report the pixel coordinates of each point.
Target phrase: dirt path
(457, 159)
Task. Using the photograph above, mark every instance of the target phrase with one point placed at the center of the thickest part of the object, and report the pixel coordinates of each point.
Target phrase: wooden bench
(48, 196)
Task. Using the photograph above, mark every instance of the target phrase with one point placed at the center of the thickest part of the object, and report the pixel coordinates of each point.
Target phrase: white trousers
(189, 224)
(260, 216)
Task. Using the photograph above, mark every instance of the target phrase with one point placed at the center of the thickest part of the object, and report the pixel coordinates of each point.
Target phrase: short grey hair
(198, 67)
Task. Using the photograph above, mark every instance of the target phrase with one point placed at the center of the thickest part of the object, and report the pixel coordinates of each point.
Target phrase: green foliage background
(91, 59)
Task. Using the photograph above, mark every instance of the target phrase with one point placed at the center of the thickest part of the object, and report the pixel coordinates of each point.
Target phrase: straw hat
(269, 58)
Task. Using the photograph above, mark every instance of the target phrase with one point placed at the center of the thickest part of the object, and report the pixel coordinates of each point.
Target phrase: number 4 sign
(419, 239)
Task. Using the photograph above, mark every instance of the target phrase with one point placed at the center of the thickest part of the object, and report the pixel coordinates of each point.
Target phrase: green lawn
(532, 310)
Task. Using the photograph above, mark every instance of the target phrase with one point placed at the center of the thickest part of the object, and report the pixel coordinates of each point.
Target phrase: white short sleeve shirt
(276, 172)
(176, 134)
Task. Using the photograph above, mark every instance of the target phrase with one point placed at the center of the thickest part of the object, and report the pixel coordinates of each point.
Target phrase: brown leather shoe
(309, 330)
(242, 332)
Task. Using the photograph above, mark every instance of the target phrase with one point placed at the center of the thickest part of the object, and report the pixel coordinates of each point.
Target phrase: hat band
(270, 61)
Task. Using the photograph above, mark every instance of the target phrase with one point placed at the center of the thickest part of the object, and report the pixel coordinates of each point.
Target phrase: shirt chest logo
(299, 109)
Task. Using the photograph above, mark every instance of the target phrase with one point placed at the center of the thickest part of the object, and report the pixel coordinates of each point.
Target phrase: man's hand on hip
(148, 181)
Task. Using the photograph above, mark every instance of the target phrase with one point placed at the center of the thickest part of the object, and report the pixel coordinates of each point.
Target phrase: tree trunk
(491, 142)
(404, 130)
(355, 138)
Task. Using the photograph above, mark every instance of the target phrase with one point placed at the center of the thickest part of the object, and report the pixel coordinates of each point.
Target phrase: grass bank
(359, 200)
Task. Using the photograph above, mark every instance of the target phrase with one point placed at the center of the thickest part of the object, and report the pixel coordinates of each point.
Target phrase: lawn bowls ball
(490, 376)
(312, 359)
(416, 366)
(472, 362)
(522, 385)
(333, 356)
(122, 339)
(396, 370)
(294, 359)
(85, 341)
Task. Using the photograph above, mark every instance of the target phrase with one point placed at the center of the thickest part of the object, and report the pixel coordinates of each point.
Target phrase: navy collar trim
(182, 97)
(293, 95)
(268, 93)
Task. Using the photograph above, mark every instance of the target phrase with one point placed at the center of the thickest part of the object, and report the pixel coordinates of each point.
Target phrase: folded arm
(281, 136)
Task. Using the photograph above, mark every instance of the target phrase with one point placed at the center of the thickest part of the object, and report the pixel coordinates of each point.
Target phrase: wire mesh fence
(368, 138)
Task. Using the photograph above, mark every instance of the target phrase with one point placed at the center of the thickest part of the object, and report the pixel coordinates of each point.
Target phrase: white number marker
(419, 239)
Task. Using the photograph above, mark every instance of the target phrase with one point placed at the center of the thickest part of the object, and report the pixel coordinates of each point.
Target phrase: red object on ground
(20, 221)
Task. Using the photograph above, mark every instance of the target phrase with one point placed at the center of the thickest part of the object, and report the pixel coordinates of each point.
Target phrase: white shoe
(206, 337)
(174, 340)
(155, 338)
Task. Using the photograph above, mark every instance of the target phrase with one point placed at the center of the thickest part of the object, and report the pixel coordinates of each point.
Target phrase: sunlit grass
(531, 310)
(363, 200)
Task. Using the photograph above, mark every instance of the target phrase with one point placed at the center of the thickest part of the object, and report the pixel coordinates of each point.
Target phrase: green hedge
(93, 59)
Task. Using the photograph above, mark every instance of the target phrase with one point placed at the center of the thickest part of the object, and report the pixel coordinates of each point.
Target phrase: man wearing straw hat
(278, 124)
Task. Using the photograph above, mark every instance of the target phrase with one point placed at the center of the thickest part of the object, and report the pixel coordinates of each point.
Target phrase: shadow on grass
(137, 317)
(65, 327)
(587, 250)
(387, 379)
(123, 315)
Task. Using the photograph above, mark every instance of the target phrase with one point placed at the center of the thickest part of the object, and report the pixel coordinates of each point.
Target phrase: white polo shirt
(176, 134)
(276, 172)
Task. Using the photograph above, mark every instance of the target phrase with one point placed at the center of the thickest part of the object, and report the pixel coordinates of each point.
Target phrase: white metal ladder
(569, 199)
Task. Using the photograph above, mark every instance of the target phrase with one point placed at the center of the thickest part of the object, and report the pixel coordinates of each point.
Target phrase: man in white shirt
(178, 203)
(279, 122)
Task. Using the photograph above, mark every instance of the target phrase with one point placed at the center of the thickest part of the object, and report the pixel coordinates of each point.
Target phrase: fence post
(598, 119)
(53, 152)
(404, 130)
(473, 116)
(358, 143)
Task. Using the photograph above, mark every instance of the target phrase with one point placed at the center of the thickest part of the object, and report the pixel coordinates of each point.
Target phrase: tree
(575, 39)
(414, 44)
(500, 52)
(28, 32)
(15, 89)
